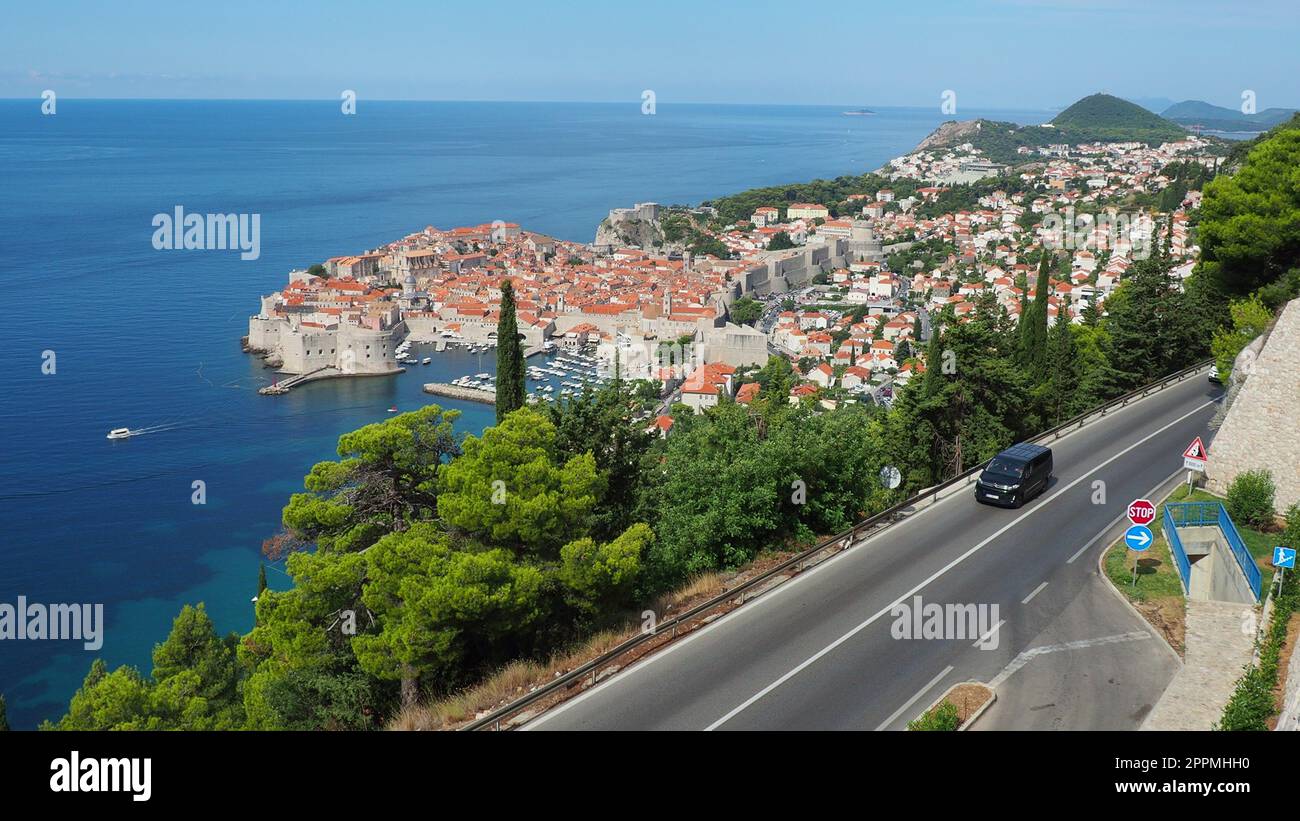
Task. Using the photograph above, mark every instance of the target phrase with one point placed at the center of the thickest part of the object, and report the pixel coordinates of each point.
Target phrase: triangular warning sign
(1196, 450)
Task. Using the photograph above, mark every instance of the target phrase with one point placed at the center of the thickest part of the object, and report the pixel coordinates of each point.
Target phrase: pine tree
(1142, 339)
(1063, 372)
(510, 357)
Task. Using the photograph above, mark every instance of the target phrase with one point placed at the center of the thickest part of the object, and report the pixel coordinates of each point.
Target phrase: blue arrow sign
(1138, 537)
(1284, 557)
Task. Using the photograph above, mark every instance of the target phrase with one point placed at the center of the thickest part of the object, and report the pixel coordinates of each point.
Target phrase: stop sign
(1141, 512)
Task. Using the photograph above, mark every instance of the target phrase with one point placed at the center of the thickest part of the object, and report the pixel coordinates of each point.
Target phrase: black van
(1015, 475)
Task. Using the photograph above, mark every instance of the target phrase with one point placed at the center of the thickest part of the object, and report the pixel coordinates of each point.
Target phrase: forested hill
(1101, 117)
(1219, 118)
(1098, 118)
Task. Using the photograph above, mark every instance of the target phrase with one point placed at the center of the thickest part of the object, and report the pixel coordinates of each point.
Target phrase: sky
(1022, 54)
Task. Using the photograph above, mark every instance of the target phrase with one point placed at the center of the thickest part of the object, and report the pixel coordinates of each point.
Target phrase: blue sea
(145, 338)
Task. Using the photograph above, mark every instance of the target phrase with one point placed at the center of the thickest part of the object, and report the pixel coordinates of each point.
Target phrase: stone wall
(1262, 428)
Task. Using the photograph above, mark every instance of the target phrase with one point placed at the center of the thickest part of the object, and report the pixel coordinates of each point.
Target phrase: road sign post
(1195, 455)
(1141, 512)
(1283, 558)
(1138, 538)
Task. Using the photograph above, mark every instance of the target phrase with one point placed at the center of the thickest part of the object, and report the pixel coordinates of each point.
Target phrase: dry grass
(521, 677)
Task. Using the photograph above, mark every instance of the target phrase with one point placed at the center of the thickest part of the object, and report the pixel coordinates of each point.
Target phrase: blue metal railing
(1239, 550)
(1176, 548)
(1198, 514)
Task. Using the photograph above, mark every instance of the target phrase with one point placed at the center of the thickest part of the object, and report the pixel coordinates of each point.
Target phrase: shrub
(943, 717)
(1253, 702)
(1250, 498)
(1291, 535)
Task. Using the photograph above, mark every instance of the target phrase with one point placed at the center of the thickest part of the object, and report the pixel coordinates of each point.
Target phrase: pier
(327, 372)
(458, 392)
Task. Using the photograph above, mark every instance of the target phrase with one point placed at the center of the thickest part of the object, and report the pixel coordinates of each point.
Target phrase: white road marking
(1037, 590)
(1042, 502)
(1114, 522)
(984, 638)
(780, 590)
(1094, 539)
(914, 698)
(1024, 658)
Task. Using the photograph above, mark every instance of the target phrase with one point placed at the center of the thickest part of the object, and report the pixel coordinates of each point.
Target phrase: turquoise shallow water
(145, 337)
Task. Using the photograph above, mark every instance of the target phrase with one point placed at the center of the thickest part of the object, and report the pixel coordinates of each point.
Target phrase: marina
(557, 375)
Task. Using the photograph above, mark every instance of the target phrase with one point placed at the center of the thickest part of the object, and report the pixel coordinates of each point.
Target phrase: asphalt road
(818, 651)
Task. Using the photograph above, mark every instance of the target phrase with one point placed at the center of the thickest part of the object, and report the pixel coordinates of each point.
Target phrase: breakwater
(459, 392)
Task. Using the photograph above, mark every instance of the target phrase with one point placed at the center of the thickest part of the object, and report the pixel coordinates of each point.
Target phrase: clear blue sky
(993, 53)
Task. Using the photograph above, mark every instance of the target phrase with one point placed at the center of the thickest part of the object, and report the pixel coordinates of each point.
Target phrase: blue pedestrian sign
(1284, 557)
(1138, 537)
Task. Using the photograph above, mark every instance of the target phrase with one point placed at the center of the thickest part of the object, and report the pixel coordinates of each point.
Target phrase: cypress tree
(510, 357)
(261, 579)
(4, 716)
(1033, 327)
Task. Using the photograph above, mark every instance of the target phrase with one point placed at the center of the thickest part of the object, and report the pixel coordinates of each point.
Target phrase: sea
(105, 331)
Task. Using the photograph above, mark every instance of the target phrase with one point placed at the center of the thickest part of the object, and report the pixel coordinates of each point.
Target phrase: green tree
(1033, 326)
(309, 699)
(970, 403)
(302, 638)
(4, 716)
(1250, 318)
(385, 479)
(1141, 325)
(511, 392)
(1064, 373)
(599, 579)
(1249, 228)
(444, 615)
(605, 423)
(780, 241)
(506, 488)
(746, 311)
(193, 646)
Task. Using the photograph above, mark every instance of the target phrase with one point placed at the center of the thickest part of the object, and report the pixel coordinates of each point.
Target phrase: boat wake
(126, 433)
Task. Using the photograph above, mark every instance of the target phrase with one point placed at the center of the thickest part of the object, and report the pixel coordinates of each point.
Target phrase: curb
(965, 725)
(1110, 585)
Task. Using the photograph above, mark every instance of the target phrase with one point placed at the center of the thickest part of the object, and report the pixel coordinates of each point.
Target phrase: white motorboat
(119, 433)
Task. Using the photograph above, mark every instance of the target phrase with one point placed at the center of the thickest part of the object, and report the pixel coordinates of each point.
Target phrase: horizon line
(629, 102)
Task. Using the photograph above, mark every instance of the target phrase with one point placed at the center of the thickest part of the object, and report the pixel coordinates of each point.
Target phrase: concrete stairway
(1218, 649)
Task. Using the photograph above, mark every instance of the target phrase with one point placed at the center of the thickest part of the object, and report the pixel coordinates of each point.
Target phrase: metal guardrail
(1176, 548)
(1214, 514)
(839, 542)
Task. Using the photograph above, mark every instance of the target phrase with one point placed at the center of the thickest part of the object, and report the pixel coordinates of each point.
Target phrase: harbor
(550, 375)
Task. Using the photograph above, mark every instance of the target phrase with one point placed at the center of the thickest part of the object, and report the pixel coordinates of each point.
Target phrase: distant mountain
(1219, 118)
(1153, 104)
(1106, 118)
